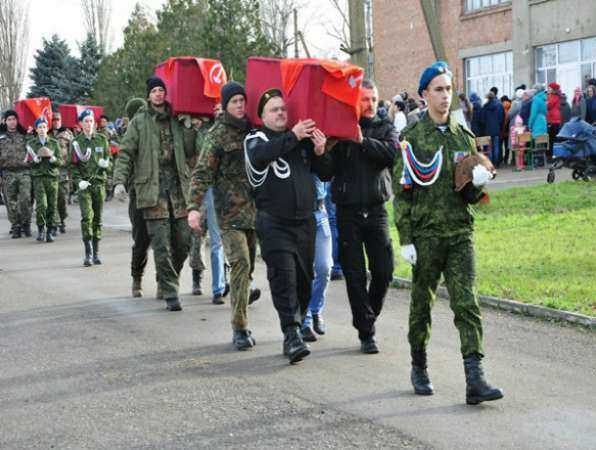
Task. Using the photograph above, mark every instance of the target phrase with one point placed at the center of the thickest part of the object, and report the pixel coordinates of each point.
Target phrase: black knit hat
(267, 95)
(154, 82)
(230, 89)
(10, 112)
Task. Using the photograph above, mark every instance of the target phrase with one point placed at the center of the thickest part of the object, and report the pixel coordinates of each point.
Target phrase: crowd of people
(538, 111)
(313, 204)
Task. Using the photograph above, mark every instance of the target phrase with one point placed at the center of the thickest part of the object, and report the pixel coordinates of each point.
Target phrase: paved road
(83, 365)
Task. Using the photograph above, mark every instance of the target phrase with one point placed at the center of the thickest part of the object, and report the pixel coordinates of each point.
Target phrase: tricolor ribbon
(423, 174)
(77, 153)
(31, 156)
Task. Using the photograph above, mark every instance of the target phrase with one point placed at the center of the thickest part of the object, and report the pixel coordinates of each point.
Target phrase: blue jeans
(218, 279)
(323, 263)
(495, 150)
(330, 207)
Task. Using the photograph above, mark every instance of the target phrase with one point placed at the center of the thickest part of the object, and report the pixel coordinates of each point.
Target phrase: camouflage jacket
(435, 210)
(89, 170)
(45, 167)
(64, 136)
(221, 165)
(13, 149)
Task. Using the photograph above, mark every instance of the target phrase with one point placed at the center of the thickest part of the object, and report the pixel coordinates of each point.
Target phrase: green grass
(535, 245)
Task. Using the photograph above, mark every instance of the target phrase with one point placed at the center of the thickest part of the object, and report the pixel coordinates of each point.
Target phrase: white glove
(408, 252)
(84, 185)
(481, 175)
(120, 192)
(103, 163)
(53, 159)
(36, 159)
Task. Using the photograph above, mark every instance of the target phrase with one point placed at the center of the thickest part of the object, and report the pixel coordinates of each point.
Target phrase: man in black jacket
(362, 185)
(279, 163)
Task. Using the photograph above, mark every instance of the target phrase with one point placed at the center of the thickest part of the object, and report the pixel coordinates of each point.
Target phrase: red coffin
(325, 91)
(30, 109)
(193, 84)
(70, 113)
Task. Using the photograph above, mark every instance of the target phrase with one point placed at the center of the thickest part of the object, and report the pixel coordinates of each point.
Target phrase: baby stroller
(575, 149)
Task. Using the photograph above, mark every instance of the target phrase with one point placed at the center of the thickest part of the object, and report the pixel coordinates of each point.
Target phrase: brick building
(488, 43)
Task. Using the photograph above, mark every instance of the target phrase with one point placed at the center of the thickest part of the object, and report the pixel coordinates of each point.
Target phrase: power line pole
(358, 46)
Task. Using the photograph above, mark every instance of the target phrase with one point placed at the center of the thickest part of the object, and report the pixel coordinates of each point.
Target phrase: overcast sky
(65, 18)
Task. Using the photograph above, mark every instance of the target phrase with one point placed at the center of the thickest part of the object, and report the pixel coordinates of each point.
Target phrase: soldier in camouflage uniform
(64, 136)
(89, 161)
(221, 165)
(112, 136)
(16, 177)
(158, 146)
(435, 225)
(43, 153)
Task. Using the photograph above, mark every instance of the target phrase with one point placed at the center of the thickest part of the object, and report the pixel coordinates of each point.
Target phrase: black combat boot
(419, 375)
(368, 345)
(27, 229)
(243, 340)
(308, 335)
(173, 304)
(41, 236)
(96, 259)
(87, 262)
(318, 324)
(254, 295)
(197, 277)
(50, 234)
(137, 289)
(16, 232)
(62, 228)
(294, 347)
(477, 389)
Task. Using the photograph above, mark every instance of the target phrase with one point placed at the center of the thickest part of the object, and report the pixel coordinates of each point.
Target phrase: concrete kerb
(514, 306)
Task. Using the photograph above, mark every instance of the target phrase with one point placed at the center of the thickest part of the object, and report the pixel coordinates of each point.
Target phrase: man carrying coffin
(279, 163)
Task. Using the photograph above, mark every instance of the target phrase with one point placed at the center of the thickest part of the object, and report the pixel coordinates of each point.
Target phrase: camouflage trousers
(45, 190)
(454, 258)
(240, 248)
(195, 258)
(91, 203)
(170, 241)
(62, 209)
(140, 237)
(17, 195)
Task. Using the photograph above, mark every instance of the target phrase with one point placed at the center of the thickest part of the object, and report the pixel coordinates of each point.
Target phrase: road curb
(514, 306)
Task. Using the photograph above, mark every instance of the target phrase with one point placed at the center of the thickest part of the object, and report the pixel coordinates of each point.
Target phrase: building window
(475, 5)
(570, 64)
(484, 72)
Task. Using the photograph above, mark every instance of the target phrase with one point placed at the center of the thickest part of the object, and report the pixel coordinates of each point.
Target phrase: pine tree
(88, 67)
(53, 71)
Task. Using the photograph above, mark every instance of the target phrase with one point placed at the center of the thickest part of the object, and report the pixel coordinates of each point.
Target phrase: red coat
(553, 105)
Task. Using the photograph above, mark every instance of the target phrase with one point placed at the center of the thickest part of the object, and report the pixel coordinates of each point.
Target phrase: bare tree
(340, 30)
(276, 18)
(97, 15)
(14, 47)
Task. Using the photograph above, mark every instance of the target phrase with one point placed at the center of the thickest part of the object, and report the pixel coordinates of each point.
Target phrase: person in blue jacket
(493, 116)
(537, 122)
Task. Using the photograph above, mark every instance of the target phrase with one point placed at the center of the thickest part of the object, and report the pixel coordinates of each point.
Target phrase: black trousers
(365, 231)
(140, 237)
(288, 250)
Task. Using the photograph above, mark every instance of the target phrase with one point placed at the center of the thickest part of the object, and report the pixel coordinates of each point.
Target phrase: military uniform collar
(90, 137)
(452, 124)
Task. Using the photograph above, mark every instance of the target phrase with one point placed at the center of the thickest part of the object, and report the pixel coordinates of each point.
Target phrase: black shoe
(197, 277)
(137, 287)
(53, 231)
(308, 335)
(173, 304)
(41, 235)
(254, 295)
(50, 235)
(62, 228)
(419, 374)
(243, 339)
(27, 229)
(294, 347)
(368, 345)
(16, 232)
(96, 259)
(337, 276)
(218, 299)
(477, 389)
(226, 290)
(87, 262)
(318, 324)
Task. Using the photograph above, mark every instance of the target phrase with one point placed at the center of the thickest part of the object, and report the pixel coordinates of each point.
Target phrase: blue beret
(40, 120)
(432, 71)
(85, 113)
